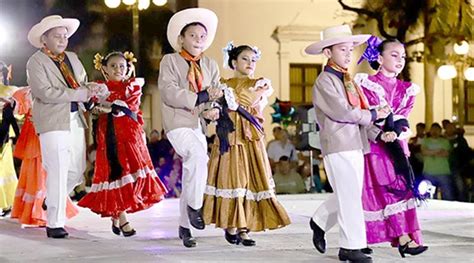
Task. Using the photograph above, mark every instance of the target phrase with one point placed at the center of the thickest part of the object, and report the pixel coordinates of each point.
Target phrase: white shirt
(276, 150)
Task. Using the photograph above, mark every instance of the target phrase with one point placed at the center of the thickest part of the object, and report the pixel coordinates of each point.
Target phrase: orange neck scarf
(194, 73)
(354, 95)
(63, 67)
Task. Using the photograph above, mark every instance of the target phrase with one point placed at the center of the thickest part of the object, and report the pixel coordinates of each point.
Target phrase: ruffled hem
(30, 194)
(394, 226)
(28, 209)
(132, 193)
(240, 212)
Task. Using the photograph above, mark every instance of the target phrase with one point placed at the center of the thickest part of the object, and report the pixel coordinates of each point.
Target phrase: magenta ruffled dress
(388, 214)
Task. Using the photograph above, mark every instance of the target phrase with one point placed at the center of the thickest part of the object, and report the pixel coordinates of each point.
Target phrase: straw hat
(335, 35)
(187, 16)
(49, 22)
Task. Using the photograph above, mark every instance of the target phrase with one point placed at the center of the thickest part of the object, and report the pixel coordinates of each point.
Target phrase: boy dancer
(187, 81)
(342, 114)
(58, 83)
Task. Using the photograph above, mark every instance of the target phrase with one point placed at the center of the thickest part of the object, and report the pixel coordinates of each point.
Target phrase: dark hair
(4, 72)
(190, 25)
(284, 158)
(235, 52)
(421, 124)
(375, 64)
(436, 125)
(445, 121)
(111, 55)
(277, 128)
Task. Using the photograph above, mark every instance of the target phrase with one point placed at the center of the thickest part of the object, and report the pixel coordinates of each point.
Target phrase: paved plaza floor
(448, 230)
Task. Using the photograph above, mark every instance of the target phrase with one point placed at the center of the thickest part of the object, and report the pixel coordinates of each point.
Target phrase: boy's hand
(99, 91)
(383, 112)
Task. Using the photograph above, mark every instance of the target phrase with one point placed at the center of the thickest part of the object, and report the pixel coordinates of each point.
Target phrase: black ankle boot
(353, 255)
(318, 237)
(185, 235)
(195, 218)
(58, 232)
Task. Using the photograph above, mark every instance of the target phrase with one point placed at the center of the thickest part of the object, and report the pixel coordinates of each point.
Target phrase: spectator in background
(444, 124)
(287, 180)
(173, 179)
(282, 147)
(153, 147)
(165, 156)
(435, 150)
(276, 134)
(459, 159)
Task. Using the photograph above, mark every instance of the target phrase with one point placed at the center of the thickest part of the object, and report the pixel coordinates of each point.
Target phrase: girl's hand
(388, 136)
(212, 114)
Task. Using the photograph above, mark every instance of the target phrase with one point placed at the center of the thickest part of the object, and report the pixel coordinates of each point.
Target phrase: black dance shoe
(115, 229)
(230, 238)
(411, 250)
(127, 233)
(353, 255)
(185, 235)
(318, 237)
(56, 232)
(248, 242)
(195, 218)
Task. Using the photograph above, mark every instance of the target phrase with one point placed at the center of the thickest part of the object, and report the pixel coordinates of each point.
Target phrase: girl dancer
(388, 196)
(124, 178)
(239, 194)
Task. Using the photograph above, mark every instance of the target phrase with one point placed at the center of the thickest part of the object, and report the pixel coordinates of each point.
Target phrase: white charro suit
(61, 131)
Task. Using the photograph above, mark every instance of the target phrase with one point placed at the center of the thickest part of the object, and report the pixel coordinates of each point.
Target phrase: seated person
(287, 180)
(282, 146)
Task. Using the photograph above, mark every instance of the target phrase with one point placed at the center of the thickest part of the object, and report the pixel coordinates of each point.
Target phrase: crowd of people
(442, 155)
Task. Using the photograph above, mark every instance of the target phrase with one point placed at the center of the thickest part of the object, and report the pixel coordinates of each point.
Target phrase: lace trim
(264, 99)
(239, 192)
(413, 90)
(362, 79)
(127, 179)
(390, 210)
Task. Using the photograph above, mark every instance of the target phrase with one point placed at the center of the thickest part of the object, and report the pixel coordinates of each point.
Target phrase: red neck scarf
(194, 73)
(63, 67)
(354, 95)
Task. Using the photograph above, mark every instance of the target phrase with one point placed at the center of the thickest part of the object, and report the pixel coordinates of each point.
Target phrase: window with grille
(302, 77)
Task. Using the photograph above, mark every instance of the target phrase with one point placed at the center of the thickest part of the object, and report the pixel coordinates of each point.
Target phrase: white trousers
(345, 171)
(191, 146)
(64, 159)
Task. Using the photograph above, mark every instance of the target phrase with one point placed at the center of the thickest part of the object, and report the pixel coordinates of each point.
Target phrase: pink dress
(388, 215)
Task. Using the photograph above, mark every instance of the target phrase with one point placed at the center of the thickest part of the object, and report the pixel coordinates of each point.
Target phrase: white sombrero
(34, 36)
(187, 16)
(335, 35)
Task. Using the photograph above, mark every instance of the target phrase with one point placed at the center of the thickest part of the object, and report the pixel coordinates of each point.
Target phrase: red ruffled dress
(138, 187)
